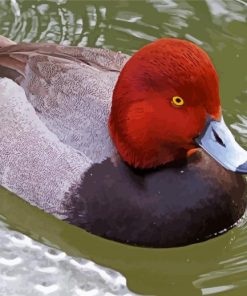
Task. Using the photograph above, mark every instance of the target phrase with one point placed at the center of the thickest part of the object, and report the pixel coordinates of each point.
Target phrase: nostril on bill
(218, 138)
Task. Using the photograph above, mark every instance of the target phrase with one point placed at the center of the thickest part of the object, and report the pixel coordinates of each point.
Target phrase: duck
(133, 149)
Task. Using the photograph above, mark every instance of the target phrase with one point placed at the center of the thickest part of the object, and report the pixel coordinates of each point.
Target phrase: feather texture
(54, 125)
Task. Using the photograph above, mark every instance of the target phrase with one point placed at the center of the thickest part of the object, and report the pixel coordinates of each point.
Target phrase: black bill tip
(242, 168)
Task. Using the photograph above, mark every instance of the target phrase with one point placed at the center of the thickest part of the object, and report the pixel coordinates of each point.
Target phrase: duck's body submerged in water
(107, 142)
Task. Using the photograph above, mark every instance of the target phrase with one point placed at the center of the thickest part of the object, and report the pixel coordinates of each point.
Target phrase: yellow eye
(177, 101)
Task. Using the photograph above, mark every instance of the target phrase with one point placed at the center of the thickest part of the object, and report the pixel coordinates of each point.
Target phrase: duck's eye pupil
(178, 101)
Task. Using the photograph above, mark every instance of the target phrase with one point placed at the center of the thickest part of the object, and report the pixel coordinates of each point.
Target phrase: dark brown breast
(180, 204)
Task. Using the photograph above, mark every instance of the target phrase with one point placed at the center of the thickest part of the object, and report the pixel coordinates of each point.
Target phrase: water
(215, 267)
(29, 268)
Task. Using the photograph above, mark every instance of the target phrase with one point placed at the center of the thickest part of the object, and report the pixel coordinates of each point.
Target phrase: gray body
(53, 126)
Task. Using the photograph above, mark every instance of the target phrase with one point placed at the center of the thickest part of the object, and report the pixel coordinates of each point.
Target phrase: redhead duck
(133, 149)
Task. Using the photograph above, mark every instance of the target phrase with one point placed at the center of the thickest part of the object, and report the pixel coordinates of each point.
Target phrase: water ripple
(231, 272)
(32, 267)
(216, 25)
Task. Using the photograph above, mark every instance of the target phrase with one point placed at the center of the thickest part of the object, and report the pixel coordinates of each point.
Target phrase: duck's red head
(161, 102)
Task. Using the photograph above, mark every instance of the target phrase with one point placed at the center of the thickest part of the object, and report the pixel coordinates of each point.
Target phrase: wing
(15, 57)
(70, 89)
(34, 164)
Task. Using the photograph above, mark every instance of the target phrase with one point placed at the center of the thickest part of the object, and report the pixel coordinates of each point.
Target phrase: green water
(215, 267)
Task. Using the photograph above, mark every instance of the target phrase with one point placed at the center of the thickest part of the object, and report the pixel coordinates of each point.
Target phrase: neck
(144, 155)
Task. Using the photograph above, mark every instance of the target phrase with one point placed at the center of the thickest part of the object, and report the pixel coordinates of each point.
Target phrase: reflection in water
(29, 268)
(216, 25)
(231, 272)
(229, 10)
(241, 127)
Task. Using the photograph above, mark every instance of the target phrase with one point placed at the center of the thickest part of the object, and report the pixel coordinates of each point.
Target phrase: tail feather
(5, 41)
(10, 67)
